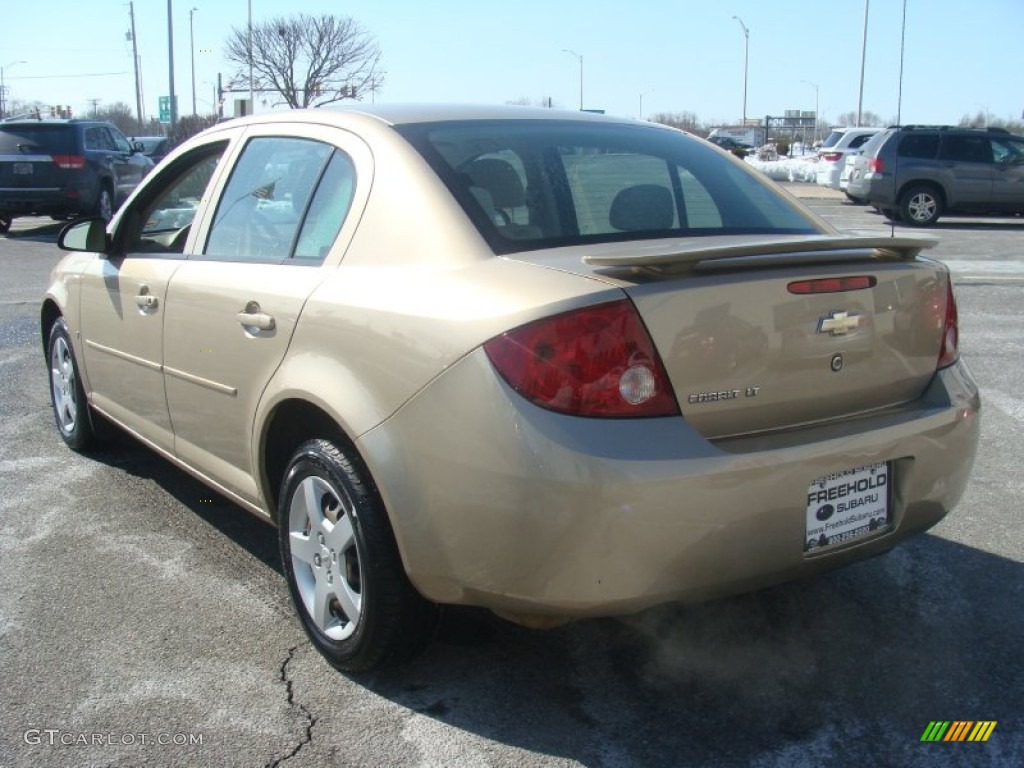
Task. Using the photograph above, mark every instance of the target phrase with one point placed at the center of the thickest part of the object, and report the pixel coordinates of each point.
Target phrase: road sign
(165, 108)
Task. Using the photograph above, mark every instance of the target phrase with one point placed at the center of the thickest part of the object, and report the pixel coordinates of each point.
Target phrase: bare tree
(867, 118)
(686, 121)
(309, 60)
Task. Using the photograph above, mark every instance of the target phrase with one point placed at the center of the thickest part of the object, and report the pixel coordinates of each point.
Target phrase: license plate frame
(848, 506)
(23, 169)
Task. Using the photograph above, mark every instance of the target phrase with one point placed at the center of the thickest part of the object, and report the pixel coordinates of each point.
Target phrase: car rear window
(833, 138)
(36, 139)
(543, 184)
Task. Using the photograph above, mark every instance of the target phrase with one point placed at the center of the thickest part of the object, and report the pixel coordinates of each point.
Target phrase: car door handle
(253, 317)
(145, 300)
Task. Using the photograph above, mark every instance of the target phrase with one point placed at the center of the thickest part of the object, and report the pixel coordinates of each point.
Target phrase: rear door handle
(254, 317)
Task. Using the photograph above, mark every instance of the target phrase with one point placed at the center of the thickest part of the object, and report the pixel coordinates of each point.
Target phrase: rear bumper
(877, 188)
(68, 199)
(501, 504)
(828, 175)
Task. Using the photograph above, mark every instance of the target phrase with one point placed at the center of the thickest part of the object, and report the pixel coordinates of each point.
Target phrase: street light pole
(863, 58)
(580, 58)
(815, 87)
(746, 60)
(192, 49)
(3, 87)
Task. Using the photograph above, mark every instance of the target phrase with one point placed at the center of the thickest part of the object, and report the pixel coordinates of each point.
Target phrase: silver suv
(940, 169)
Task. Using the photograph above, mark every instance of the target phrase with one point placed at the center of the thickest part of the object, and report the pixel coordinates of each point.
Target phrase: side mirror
(89, 235)
(138, 146)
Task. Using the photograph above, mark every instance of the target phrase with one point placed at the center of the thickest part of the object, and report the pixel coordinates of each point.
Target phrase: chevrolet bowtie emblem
(839, 323)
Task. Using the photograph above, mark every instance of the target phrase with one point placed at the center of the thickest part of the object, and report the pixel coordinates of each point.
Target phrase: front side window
(967, 149)
(263, 205)
(160, 219)
(542, 184)
(1008, 150)
(120, 141)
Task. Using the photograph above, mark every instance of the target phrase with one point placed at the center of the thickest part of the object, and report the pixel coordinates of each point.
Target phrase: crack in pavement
(310, 720)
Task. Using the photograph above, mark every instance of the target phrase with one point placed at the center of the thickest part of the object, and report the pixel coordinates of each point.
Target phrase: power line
(55, 77)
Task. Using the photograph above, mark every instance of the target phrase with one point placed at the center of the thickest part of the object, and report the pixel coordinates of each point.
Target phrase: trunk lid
(747, 351)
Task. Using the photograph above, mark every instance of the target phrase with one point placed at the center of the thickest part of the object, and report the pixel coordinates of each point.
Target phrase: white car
(834, 150)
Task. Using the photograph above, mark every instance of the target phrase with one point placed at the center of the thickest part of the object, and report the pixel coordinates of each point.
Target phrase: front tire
(70, 408)
(5, 224)
(343, 568)
(920, 206)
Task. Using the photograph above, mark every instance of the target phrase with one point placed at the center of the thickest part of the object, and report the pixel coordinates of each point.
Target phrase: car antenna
(899, 120)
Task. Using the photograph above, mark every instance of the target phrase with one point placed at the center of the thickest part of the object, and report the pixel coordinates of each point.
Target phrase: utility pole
(252, 97)
(192, 50)
(170, 64)
(135, 60)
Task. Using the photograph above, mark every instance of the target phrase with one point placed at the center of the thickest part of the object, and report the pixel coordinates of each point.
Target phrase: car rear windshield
(35, 140)
(530, 184)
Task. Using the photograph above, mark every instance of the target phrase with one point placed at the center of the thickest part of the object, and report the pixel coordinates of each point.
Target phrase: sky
(650, 55)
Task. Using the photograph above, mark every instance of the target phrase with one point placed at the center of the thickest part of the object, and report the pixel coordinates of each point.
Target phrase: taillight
(69, 162)
(831, 157)
(950, 349)
(876, 165)
(598, 361)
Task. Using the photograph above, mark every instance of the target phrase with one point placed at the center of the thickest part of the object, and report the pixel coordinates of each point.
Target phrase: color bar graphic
(958, 730)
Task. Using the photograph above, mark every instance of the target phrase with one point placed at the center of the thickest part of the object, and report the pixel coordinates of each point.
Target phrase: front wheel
(343, 568)
(920, 206)
(5, 224)
(67, 396)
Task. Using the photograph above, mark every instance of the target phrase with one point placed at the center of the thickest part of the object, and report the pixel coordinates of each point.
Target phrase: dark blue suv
(65, 168)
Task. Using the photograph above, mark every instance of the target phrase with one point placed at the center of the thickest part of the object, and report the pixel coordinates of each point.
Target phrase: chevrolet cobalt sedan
(556, 365)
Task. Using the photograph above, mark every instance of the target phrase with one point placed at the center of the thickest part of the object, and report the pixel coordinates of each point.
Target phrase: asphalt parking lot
(144, 620)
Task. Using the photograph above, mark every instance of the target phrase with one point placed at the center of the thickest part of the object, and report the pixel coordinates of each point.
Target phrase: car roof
(400, 114)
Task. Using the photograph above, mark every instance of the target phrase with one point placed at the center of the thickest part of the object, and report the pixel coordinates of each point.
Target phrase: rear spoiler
(775, 252)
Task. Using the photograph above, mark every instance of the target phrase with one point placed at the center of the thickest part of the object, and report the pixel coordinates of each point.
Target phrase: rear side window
(921, 145)
(542, 184)
(36, 140)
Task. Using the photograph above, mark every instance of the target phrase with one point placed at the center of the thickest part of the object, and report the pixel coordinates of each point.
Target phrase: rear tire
(104, 203)
(920, 205)
(70, 408)
(5, 224)
(344, 572)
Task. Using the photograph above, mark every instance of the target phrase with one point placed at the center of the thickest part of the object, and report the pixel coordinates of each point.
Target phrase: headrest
(642, 207)
(500, 179)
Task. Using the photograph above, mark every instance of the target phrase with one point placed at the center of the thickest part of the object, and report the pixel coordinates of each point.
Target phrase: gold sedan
(553, 364)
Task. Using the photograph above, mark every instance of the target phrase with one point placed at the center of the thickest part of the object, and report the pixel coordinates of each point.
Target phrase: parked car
(916, 174)
(65, 168)
(154, 147)
(727, 143)
(832, 154)
(552, 364)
